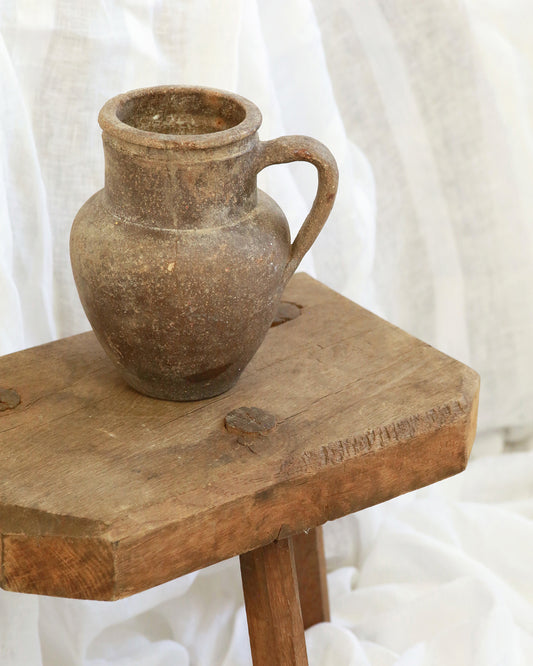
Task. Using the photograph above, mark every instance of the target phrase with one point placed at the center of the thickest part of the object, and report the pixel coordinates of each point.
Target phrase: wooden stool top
(105, 492)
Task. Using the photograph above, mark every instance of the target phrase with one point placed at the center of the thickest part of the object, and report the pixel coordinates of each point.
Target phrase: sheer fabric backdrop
(428, 110)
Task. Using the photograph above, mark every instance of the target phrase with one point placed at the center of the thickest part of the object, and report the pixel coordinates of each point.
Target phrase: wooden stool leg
(272, 606)
(311, 571)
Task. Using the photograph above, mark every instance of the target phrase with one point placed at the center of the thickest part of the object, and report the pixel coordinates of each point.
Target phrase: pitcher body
(180, 261)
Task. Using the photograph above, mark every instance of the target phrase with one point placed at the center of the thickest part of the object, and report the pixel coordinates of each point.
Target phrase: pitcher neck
(180, 189)
(180, 156)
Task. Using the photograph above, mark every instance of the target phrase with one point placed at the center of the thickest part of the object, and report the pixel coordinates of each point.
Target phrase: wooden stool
(105, 492)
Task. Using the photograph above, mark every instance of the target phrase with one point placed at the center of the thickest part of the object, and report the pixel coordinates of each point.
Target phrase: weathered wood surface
(310, 560)
(105, 492)
(273, 610)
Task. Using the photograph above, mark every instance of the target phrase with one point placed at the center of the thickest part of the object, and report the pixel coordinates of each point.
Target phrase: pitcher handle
(303, 148)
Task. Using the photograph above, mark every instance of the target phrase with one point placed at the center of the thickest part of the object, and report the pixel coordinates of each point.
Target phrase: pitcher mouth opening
(179, 116)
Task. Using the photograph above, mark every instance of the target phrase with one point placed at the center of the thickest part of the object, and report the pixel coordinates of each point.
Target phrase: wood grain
(272, 606)
(79, 567)
(364, 412)
(310, 564)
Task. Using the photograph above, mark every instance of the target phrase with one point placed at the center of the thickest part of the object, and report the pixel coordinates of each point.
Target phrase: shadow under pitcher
(180, 260)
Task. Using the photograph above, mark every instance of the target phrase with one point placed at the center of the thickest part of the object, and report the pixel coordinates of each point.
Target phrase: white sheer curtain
(428, 109)
(439, 100)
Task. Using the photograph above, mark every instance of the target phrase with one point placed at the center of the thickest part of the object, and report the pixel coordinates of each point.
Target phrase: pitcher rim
(111, 124)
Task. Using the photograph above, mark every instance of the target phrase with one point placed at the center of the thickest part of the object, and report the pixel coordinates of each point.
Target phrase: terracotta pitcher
(180, 261)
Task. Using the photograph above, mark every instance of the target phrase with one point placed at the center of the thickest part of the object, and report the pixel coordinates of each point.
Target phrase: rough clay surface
(180, 261)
